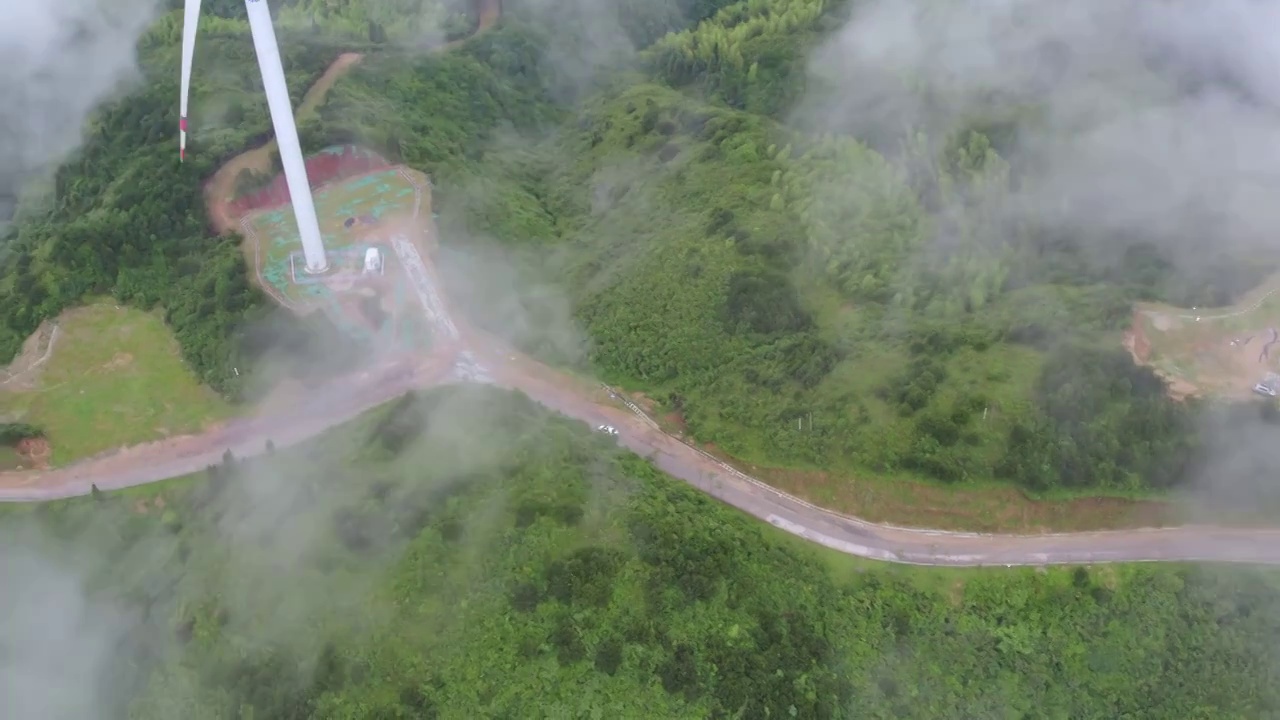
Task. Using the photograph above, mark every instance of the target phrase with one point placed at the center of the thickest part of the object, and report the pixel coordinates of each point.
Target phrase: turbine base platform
(338, 261)
(374, 303)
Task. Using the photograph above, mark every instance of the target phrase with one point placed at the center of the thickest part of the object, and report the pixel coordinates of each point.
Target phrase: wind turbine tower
(295, 169)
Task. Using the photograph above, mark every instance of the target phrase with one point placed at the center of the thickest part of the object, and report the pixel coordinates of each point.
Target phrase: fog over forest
(1124, 121)
(1121, 121)
(1155, 121)
(62, 58)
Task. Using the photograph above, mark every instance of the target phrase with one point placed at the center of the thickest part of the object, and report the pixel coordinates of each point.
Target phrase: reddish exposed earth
(34, 452)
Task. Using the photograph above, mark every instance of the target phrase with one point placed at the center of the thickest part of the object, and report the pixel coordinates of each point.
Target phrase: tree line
(126, 219)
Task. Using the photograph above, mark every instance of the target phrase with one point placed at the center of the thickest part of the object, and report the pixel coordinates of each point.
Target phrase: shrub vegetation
(510, 563)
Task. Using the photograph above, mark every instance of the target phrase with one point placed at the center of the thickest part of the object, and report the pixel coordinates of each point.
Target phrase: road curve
(905, 545)
(344, 399)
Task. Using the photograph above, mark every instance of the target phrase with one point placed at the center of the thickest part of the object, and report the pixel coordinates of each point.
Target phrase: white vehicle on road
(607, 429)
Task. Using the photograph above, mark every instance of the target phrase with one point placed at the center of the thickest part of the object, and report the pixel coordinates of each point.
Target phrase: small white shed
(372, 261)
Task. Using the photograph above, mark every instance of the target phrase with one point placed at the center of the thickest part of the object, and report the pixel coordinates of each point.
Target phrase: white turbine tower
(295, 170)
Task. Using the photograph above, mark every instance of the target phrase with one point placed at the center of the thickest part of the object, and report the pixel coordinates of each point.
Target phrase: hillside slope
(467, 555)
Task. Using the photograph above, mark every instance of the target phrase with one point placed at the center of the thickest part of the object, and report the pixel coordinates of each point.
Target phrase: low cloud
(62, 58)
(58, 639)
(97, 596)
(1152, 121)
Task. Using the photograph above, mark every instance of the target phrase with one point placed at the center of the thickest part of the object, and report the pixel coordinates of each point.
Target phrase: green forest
(779, 289)
(667, 227)
(419, 22)
(770, 285)
(126, 219)
(466, 554)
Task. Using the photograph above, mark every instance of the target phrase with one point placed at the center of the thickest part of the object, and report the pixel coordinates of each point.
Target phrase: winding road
(473, 350)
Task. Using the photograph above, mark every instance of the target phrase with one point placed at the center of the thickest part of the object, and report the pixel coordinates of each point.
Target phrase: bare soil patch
(675, 421)
(35, 453)
(1139, 347)
(119, 360)
(24, 372)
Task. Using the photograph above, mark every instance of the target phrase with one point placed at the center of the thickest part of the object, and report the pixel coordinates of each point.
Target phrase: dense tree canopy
(127, 219)
(541, 573)
(843, 302)
(808, 300)
(798, 299)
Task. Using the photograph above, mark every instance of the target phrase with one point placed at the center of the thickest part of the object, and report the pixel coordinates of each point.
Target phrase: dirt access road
(344, 399)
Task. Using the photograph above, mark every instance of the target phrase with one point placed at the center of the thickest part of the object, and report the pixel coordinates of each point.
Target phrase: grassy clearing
(1219, 355)
(115, 378)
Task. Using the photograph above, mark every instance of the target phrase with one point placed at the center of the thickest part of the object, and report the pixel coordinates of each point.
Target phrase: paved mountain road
(904, 545)
(344, 399)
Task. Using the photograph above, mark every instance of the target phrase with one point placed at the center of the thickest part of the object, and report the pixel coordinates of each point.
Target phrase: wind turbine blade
(190, 22)
(295, 167)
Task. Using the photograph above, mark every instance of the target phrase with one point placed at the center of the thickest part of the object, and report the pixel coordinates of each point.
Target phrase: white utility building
(372, 261)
